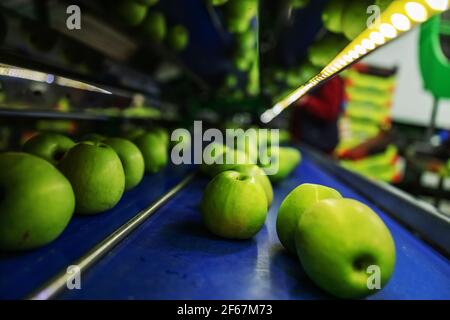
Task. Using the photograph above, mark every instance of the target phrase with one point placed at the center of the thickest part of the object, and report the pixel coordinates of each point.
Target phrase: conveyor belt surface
(23, 272)
(172, 256)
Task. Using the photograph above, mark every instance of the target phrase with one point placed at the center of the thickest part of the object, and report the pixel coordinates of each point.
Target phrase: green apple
(184, 139)
(237, 95)
(237, 26)
(36, 202)
(293, 206)
(234, 205)
(253, 86)
(93, 137)
(231, 81)
(49, 146)
(241, 64)
(148, 2)
(293, 78)
(279, 75)
(154, 149)
(210, 153)
(131, 158)
(332, 15)
(320, 53)
(339, 241)
(134, 133)
(307, 70)
(298, 4)
(286, 158)
(253, 170)
(249, 146)
(354, 18)
(162, 133)
(228, 159)
(239, 13)
(242, 10)
(217, 2)
(284, 136)
(154, 26)
(96, 174)
(178, 38)
(246, 40)
(131, 12)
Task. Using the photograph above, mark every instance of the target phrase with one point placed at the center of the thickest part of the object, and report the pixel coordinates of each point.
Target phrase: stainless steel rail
(56, 284)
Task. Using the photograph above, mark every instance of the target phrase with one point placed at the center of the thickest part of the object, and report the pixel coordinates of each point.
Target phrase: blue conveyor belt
(172, 256)
(20, 273)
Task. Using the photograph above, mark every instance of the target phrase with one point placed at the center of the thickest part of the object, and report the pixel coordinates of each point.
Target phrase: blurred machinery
(364, 143)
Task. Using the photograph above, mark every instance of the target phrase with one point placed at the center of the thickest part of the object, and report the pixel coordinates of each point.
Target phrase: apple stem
(362, 262)
(59, 155)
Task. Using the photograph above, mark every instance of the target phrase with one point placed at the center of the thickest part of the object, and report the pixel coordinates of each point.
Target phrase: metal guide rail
(87, 238)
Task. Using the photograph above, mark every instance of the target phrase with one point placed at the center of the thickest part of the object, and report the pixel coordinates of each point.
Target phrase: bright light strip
(347, 58)
(14, 72)
(400, 16)
(377, 38)
(388, 30)
(20, 73)
(416, 12)
(400, 22)
(267, 116)
(79, 85)
(353, 54)
(438, 5)
(368, 44)
(360, 50)
(277, 109)
(271, 113)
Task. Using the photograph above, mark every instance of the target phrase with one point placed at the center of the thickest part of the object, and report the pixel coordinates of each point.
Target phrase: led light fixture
(399, 17)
